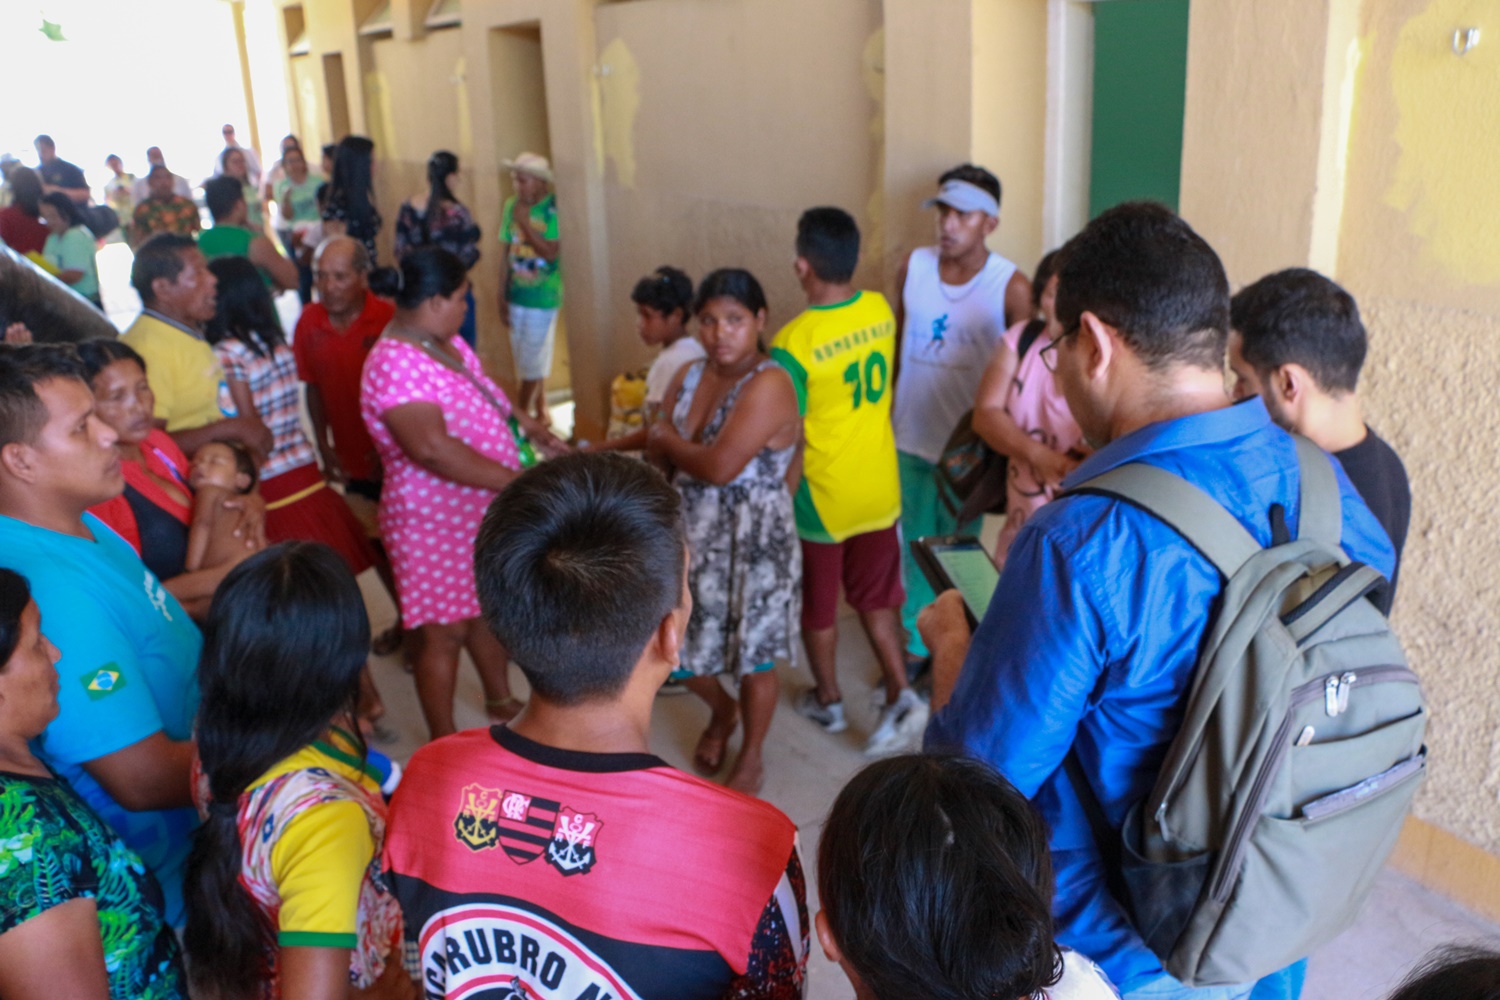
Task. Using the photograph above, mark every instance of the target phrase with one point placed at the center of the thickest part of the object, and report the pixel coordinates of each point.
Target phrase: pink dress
(1035, 402)
(429, 523)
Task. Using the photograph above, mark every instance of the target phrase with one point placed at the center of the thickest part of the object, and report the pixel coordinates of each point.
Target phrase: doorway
(519, 100)
(1117, 83)
(338, 96)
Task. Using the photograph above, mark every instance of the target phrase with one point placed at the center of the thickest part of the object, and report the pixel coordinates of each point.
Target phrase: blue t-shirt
(128, 670)
(1093, 634)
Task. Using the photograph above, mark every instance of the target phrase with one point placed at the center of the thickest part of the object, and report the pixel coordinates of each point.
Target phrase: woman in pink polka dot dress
(441, 428)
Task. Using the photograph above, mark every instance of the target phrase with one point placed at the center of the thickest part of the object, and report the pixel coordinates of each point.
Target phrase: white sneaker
(900, 727)
(830, 717)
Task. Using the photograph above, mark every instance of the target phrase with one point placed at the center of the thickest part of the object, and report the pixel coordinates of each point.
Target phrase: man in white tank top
(954, 303)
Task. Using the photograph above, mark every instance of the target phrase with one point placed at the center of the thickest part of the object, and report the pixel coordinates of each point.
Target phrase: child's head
(827, 246)
(1454, 973)
(663, 300)
(225, 464)
(936, 882)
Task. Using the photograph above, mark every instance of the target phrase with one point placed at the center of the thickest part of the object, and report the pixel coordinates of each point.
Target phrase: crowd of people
(190, 801)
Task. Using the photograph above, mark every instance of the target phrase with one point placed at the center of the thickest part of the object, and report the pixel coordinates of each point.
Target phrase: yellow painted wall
(1009, 117)
(1421, 252)
(1347, 135)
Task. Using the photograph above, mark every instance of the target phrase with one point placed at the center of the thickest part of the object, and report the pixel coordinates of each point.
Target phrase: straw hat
(530, 163)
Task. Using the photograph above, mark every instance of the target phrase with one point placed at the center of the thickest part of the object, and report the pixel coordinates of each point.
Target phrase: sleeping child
(221, 469)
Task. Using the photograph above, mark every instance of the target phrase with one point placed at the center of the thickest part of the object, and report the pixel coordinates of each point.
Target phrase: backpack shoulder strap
(1320, 509)
(1188, 510)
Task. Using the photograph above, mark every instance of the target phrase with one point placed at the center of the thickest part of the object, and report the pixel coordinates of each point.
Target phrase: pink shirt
(1036, 404)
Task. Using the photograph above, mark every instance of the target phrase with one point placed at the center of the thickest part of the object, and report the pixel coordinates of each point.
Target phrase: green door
(1140, 82)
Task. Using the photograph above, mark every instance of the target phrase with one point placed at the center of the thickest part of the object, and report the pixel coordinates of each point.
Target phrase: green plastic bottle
(523, 443)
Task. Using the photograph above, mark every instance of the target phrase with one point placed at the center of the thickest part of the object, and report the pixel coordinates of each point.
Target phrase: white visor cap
(965, 197)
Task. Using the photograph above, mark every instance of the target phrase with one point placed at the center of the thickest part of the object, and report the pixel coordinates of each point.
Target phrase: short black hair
(577, 562)
(666, 290)
(98, 355)
(44, 140)
(1143, 270)
(221, 194)
(158, 257)
(977, 176)
(22, 369)
(828, 239)
(244, 462)
(15, 594)
(936, 881)
(1297, 316)
(1456, 972)
(65, 206)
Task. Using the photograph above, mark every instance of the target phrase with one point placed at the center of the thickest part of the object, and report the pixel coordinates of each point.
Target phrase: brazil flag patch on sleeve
(105, 680)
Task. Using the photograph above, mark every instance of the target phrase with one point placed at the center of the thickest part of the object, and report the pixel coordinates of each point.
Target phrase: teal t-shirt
(54, 849)
(74, 250)
(128, 670)
(534, 282)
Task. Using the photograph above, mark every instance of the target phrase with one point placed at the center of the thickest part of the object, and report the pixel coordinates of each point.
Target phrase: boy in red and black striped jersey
(556, 857)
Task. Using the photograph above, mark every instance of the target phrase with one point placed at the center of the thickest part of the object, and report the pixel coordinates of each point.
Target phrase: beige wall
(1348, 136)
(687, 132)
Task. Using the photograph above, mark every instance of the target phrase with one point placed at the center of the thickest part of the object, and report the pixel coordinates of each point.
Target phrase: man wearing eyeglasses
(1093, 633)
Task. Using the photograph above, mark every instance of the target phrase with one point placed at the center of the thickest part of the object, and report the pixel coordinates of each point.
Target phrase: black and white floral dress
(744, 565)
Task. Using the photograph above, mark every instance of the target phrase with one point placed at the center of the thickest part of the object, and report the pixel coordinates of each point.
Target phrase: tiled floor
(806, 768)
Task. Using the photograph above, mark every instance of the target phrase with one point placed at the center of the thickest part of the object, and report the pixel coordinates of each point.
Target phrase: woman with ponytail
(449, 441)
(283, 893)
(435, 218)
(80, 916)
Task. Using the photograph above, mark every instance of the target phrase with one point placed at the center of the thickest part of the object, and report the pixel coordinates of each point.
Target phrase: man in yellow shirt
(192, 397)
(841, 354)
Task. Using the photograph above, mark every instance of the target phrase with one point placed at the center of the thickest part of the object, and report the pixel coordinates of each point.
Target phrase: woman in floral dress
(80, 916)
(730, 433)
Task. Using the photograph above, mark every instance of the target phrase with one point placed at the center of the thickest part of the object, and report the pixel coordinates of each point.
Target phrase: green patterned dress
(54, 848)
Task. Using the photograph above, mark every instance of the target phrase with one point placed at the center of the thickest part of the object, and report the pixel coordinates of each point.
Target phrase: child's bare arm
(208, 505)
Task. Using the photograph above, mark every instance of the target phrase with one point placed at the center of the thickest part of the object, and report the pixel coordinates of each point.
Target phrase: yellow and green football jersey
(841, 358)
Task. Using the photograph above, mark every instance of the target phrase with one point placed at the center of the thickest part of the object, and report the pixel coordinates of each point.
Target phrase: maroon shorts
(868, 565)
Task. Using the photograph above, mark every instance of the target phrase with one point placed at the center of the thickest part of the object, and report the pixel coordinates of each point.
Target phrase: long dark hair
(421, 274)
(283, 646)
(244, 310)
(440, 166)
(15, 594)
(936, 881)
(351, 192)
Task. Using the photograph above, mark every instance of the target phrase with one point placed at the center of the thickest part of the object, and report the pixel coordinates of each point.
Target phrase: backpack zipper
(1334, 689)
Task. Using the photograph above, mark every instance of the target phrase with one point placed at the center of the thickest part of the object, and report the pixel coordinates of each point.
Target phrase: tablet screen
(972, 573)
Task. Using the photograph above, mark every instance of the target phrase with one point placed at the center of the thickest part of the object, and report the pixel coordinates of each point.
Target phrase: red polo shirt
(333, 360)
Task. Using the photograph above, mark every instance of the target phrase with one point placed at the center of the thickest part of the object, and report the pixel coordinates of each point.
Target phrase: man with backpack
(1092, 641)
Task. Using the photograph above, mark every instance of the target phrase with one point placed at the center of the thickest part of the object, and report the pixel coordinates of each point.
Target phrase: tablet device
(959, 562)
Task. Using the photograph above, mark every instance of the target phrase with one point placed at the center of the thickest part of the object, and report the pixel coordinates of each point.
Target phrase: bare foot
(749, 774)
(708, 757)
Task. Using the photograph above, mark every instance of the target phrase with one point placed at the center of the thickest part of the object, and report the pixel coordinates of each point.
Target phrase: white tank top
(950, 332)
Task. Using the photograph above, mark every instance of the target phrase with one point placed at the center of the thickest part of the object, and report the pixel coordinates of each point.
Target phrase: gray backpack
(1299, 753)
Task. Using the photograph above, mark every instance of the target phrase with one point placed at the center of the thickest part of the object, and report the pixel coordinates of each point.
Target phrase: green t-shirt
(53, 849)
(229, 241)
(74, 250)
(534, 282)
(304, 198)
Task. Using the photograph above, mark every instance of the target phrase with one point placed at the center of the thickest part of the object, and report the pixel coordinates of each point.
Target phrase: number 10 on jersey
(868, 383)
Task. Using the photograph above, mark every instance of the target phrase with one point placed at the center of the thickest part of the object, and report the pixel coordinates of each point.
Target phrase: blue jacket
(1093, 634)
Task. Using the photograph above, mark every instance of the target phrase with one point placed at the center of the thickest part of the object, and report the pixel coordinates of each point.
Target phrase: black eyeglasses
(1049, 353)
